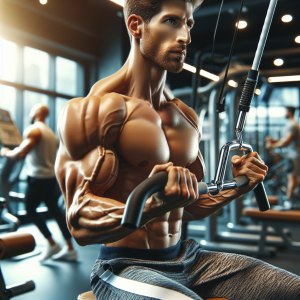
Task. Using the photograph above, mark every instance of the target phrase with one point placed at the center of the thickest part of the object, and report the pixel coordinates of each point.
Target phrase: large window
(66, 76)
(29, 76)
(59, 104)
(8, 61)
(36, 68)
(8, 100)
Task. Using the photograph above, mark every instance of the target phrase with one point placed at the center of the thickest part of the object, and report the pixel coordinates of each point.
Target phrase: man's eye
(171, 21)
(189, 25)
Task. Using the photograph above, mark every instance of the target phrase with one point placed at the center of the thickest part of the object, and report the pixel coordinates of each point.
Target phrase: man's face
(166, 36)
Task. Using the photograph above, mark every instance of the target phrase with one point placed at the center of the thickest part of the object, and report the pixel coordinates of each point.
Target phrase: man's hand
(4, 151)
(268, 142)
(181, 189)
(250, 165)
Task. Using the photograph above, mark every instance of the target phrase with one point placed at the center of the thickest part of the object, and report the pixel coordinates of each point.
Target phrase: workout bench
(279, 220)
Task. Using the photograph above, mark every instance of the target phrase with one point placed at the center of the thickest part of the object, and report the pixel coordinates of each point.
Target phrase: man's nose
(184, 35)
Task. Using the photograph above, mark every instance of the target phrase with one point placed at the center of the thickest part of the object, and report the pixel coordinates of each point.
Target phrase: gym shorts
(194, 272)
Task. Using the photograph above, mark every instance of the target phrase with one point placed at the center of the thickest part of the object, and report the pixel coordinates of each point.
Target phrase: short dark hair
(291, 109)
(147, 9)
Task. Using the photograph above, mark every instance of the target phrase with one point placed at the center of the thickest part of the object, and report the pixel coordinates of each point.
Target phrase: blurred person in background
(39, 151)
(290, 141)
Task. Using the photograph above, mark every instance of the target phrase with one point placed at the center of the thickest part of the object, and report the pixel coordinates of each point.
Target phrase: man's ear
(134, 25)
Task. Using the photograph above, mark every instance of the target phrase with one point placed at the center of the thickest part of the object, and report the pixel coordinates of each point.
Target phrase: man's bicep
(94, 173)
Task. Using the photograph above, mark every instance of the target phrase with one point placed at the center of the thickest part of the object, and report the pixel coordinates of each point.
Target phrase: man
(290, 141)
(39, 147)
(130, 127)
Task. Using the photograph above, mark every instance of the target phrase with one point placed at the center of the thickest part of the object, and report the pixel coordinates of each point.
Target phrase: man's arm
(251, 166)
(32, 136)
(87, 165)
(285, 141)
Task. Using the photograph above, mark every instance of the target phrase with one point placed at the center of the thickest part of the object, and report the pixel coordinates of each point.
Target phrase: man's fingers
(195, 185)
(184, 184)
(190, 184)
(253, 175)
(236, 160)
(159, 168)
(254, 154)
(253, 161)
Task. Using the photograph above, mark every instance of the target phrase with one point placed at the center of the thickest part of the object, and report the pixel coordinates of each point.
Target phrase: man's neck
(39, 120)
(145, 80)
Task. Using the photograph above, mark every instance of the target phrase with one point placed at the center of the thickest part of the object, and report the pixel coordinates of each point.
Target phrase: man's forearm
(280, 143)
(99, 222)
(17, 153)
(206, 205)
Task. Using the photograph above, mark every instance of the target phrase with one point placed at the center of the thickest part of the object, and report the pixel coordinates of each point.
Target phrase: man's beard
(150, 50)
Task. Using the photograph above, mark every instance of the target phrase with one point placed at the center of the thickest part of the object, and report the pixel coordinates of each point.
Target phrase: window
(66, 75)
(59, 105)
(36, 68)
(8, 61)
(8, 100)
(39, 78)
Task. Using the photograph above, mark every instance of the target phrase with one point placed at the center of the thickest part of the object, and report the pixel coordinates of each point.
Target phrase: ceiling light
(189, 68)
(287, 18)
(233, 83)
(257, 92)
(209, 75)
(43, 1)
(120, 2)
(278, 62)
(297, 39)
(284, 78)
(242, 24)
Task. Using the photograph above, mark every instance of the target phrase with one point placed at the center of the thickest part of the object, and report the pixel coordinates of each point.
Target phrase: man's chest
(150, 137)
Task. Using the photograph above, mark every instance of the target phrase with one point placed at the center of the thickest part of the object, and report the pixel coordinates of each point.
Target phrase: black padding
(261, 197)
(241, 181)
(136, 201)
(202, 188)
(253, 74)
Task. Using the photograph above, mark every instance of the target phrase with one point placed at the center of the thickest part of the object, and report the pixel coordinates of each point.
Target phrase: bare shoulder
(188, 112)
(85, 123)
(32, 132)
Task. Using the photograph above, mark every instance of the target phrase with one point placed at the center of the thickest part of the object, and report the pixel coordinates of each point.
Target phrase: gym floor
(64, 280)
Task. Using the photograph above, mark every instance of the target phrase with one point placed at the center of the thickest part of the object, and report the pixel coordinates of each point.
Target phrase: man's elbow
(81, 238)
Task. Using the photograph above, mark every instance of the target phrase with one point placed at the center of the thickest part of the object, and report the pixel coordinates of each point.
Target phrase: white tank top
(40, 160)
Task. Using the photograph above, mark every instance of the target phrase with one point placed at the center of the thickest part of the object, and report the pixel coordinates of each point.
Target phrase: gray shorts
(295, 159)
(200, 274)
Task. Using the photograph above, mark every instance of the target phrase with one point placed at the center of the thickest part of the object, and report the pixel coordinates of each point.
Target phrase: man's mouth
(179, 52)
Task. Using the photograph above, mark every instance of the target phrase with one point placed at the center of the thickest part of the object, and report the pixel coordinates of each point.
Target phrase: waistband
(169, 253)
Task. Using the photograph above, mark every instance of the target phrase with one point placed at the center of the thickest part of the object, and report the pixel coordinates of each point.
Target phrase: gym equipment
(13, 244)
(9, 170)
(279, 220)
(131, 219)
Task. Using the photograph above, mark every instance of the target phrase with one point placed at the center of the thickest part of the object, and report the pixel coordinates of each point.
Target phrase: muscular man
(290, 141)
(129, 127)
(39, 147)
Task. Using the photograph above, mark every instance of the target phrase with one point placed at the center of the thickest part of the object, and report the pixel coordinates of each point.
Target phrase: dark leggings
(46, 190)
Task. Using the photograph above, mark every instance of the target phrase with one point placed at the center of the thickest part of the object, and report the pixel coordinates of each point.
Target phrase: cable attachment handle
(221, 106)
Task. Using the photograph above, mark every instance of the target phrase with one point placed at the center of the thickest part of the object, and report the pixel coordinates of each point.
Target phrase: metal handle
(136, 201)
